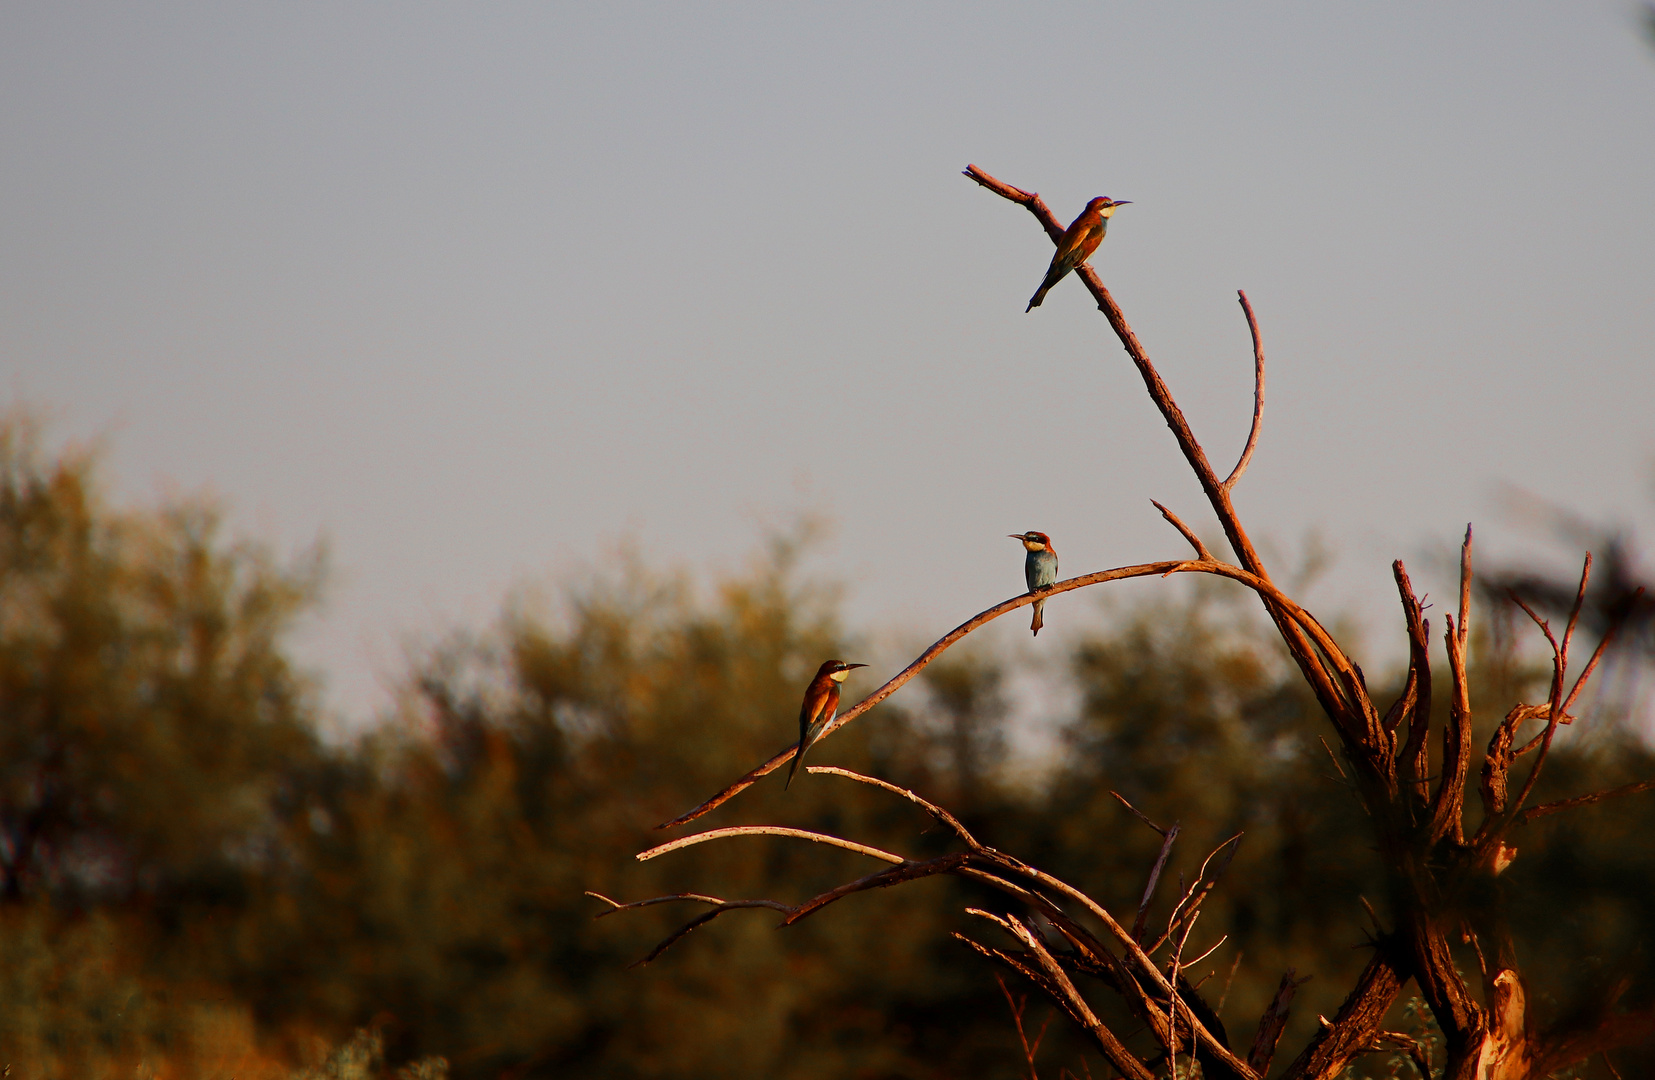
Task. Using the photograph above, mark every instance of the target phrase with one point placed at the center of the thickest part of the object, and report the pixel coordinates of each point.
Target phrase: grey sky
(476, 291)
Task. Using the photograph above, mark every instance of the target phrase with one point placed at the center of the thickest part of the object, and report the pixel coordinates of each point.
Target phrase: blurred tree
(149, 719)
(149, 711)
(198, 887)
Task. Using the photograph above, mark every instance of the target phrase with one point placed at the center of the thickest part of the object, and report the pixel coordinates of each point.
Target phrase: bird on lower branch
(1080, 239)
(820, 706)
(1039, 569)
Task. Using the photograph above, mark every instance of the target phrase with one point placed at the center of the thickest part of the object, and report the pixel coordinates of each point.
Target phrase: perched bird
(1082, 237)
(1039, 568)
(821, 705)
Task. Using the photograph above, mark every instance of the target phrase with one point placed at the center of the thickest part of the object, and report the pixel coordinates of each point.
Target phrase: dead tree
(1437, 867)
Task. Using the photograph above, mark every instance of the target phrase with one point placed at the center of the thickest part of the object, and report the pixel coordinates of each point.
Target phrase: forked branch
(1330, 690)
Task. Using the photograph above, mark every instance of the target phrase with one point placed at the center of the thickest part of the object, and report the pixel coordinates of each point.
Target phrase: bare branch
(1448, 804)
(1413, 764)
(768, 830)
(1560, 668)
(1028, 199)
(785, 755)
(1597, 654)
(1136, 958)
(1190, 903)
(1201, 551)
(1154, 877)
(1013, 962)
(1271, 1024)
(1258, 395)
(719, 908)
(1135, 812)
(1354, 1024)
(1209, 952)
(698, 898)
(1017, 1008)
(1235, 965)
(896, 875)
(1583, 800)
(931, 808)
(1125, 1062)
(1277, 600)
(1328, 690)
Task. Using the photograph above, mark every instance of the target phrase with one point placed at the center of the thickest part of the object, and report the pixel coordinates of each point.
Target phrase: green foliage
(149, 708)
(196, 886)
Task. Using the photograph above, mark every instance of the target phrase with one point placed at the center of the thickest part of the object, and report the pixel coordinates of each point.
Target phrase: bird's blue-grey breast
(1040, 569)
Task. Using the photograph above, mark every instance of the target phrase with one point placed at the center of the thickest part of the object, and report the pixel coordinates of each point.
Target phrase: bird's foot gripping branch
(1060, 939)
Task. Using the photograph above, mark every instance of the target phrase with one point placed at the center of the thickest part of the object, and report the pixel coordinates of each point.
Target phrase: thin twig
(930, 808)
(1017, 1007)
(1188, 533)
(1258, 395)
(1135, 812)
(1192, 899)
(1069, 997)
(1586, 673)
(768, 830)
(1583, 800)
(615, 906)
(880, 879)
(1136, 958)
(1560, 667)
(1208, 953)
(1331, 757)
(1228, 979)
(1154, 877)
(719, 908)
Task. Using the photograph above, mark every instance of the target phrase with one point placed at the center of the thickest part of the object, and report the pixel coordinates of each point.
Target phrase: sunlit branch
(768, 830)
(1258, 395)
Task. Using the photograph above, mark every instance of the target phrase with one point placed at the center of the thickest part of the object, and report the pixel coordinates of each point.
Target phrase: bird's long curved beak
(849, 666)
(1015, 536)
(1121, 202)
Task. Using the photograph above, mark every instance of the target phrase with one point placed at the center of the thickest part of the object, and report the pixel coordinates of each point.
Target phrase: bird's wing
(814, 705)
(1089, 243)
(1073, 249)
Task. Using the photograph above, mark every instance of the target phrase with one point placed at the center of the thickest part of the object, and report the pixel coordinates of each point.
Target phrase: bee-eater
(821, 705)
(1082, 237)
(1039, 568)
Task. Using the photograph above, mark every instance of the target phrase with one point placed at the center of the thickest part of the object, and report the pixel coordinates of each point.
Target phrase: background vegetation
(194, 883)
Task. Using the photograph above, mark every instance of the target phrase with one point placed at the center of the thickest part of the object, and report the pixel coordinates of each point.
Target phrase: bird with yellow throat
(1080, 239)
(820, 706)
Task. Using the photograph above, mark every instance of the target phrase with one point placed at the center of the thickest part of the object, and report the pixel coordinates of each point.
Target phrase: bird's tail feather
(805, 743)
(1053, 276)
(1039, 606)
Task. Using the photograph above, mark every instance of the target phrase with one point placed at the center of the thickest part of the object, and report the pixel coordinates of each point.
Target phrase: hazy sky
(478, 291)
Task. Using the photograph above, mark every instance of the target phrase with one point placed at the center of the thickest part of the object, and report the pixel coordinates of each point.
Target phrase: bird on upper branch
(1080, 239)
(820, 706)
(1039, 569)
